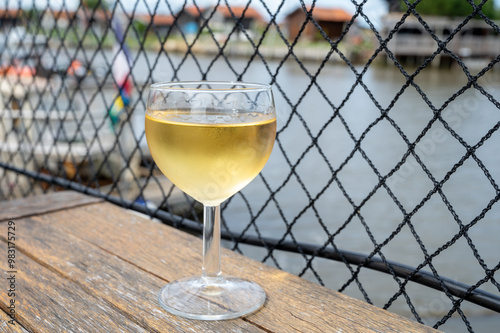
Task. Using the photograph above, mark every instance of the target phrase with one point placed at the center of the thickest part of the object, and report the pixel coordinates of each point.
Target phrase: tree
(451, 8)
(94, 4)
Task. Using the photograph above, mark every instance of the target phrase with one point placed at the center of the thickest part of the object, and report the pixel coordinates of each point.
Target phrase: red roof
(63, 14)
(238, 12)
(328, 14)
(99, 14)
(10, 13)
(158, 19)
(192, 10)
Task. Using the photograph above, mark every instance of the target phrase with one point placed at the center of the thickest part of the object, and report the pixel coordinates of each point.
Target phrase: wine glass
(210, 139)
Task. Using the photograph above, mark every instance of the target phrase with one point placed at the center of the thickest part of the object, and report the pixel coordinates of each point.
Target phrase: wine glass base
(205, 298)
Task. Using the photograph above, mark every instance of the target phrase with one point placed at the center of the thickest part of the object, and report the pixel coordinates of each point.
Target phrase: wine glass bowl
(210, 139)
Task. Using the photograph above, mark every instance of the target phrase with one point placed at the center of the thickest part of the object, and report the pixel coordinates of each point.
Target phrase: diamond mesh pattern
(331, 189)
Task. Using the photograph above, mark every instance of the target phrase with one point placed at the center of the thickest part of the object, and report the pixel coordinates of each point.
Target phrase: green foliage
(140, 28)
(94, 4)
(451, 8)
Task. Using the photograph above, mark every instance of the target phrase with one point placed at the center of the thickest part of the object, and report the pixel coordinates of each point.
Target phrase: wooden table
(84, 265)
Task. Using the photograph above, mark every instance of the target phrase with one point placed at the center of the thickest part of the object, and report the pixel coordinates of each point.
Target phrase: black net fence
(384, 178)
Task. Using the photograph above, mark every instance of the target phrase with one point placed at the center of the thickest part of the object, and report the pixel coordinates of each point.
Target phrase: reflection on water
(337, 184)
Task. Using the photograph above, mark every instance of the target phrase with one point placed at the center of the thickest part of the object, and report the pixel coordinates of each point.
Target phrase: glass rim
(219, 86)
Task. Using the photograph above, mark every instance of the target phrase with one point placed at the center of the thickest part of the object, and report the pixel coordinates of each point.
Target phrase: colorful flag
(121, 73)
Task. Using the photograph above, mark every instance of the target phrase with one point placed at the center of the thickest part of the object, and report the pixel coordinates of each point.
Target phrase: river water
(309, 201)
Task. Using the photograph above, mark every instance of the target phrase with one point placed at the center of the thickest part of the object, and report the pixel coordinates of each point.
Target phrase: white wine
(210, 156)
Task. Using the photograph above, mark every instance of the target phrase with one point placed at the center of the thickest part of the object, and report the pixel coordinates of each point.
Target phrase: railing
(379, 165)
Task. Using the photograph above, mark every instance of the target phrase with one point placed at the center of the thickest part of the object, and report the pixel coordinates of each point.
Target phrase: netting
(386, 158)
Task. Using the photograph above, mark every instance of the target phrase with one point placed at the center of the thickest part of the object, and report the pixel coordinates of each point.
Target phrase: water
(310, 199)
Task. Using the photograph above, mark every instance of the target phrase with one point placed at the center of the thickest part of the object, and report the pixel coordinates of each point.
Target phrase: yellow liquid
(210, 162)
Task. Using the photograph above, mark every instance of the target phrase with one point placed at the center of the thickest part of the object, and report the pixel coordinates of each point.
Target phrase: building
(160, 24)
(223, 18)
(331, 20)
(95, 20)
(477, 39)
(58, 19)
(247, 17)
(10, 18)
(189, 19)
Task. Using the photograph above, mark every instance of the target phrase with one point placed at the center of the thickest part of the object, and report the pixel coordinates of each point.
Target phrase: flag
(120, 70)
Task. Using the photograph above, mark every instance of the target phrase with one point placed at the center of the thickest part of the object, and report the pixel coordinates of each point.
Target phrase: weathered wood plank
(41, 204)
(293, 303)
(47, 302)
(7, 327)
(124, 286)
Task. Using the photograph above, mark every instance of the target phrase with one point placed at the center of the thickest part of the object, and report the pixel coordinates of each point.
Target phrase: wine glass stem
(211, 242)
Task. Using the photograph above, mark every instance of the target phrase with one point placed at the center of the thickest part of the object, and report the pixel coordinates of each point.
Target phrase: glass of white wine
(211, 139)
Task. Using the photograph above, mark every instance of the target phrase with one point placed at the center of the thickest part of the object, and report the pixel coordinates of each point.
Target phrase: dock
(476, 42)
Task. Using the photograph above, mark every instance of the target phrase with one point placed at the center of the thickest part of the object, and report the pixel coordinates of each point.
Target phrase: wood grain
(13, 209)
(293, 304)
(123, 286)
(6, 327)
(48, 302)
